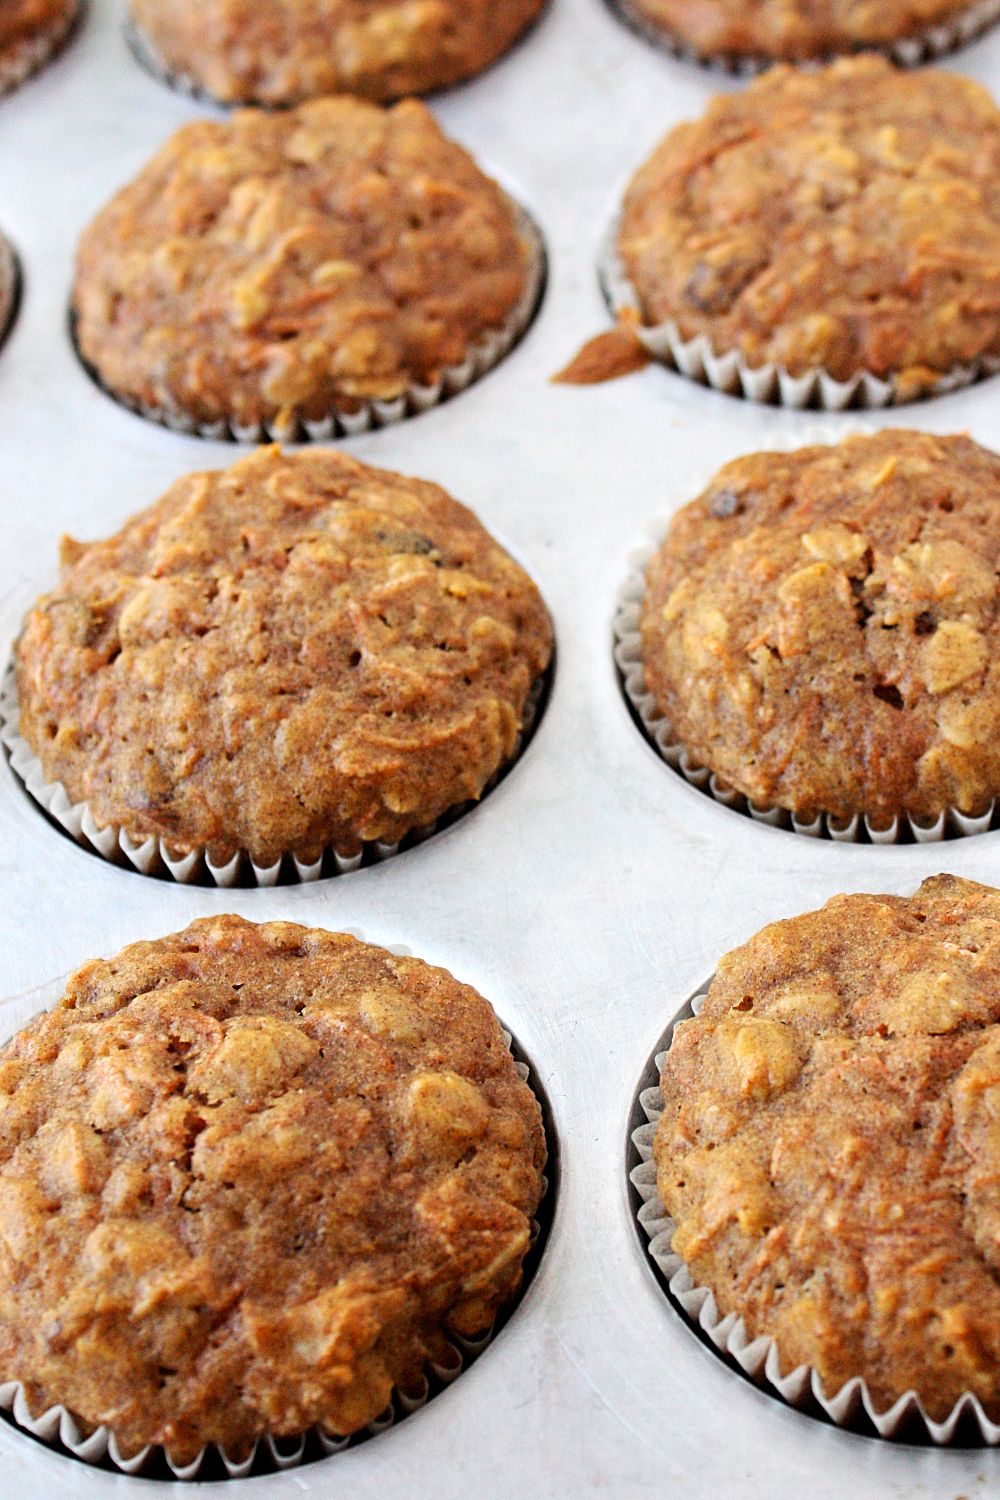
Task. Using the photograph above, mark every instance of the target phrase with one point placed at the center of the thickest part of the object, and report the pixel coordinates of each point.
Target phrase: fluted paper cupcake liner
(58, 1429)
(658, 731)
(907, 52)
(10, 286)
(29, 56)
(768, 384)
(484, 353)
(153, 856)
(852, 1406)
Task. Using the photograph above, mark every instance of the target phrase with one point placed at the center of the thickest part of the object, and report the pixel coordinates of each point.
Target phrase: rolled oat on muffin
(242, 52)
(842, 222)
(297, 653)
(827, 1148)
(820, 628)
(796, 30)
(251, 1178)
(274, 269)
(30, 32)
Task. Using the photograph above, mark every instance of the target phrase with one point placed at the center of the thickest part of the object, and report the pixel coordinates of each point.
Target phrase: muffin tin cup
(767, 384)
(658, 731)
(32, 54)
(152, 856)
(484, 353)
(59, 1429)
(10, 286)
(908, 52)
(852, 1406)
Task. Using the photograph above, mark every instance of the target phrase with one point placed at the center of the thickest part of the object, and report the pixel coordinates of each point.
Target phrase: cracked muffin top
(294, 653)
(795, 29)
(828, 1145)
(250, 1176)
(25, 21)
(820, 627)
(242, 52)
(846, 220)
(274, 268)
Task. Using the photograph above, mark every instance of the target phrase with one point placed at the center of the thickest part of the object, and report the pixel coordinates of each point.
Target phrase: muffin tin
(592, 890)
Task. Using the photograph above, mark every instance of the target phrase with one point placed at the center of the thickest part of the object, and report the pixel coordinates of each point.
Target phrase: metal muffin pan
(589, 894)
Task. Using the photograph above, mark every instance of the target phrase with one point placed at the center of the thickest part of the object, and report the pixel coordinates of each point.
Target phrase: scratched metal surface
(590, 893)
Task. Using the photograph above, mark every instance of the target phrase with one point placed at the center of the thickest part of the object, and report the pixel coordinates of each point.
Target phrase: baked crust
(242, 52)
(847, 219)
(821, 630)
(295, 264)
(829, 1142)
(791, 30)
(25, 21)
(250, 1176)
(297, 652)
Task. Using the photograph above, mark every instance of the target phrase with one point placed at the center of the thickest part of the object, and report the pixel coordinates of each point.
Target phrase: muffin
(827, 1148)
(30, 32)
(241, 52)
(275, 269)
(251, 1177)
(296, 653)
(820, 628)
(840, 221)
(795, 30)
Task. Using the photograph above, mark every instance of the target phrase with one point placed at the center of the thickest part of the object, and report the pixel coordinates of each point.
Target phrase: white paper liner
(33, 53)
(758, 1358)
(152, 856)
(767, 384)
(59, 1429)
(908, 52)
(10, 286)
(484, 353)
(950, 824)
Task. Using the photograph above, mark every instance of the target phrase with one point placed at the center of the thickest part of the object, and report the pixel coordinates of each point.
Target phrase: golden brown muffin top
(295, 263)
(821, 628)
(249, 1176)
(241, 51)
(793, 29)
(296, 652)
(828, 1146)
(846, 219)
(24, 20)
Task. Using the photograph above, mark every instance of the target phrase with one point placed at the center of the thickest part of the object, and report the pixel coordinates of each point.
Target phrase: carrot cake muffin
(275, 268)
(294, 653)
(827, 1148)
(821, 628)
(795, 29)
(30, 32)
(844, 220)
(242, 52)
(250, 1178)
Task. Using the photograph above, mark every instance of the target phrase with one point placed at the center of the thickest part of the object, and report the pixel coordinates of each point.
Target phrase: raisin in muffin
(250, 1178)
(276, 268)
(820, 628)
(794, 30)
(242, 52)
(845, 220)
(828, 1144)
(296, 653)
(30, 32)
